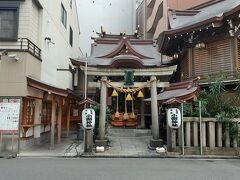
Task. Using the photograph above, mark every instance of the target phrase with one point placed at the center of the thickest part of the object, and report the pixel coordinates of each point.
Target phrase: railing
(22, 44)
(213, 137)
(211, 77)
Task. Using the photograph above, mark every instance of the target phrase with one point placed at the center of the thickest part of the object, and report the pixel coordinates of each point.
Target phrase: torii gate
(153, 73)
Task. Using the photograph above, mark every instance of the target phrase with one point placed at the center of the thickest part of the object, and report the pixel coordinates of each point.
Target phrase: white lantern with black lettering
(174, 118)
(88, 118)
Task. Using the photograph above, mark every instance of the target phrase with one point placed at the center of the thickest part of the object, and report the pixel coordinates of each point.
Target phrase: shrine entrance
(127, 105)
(113, 59)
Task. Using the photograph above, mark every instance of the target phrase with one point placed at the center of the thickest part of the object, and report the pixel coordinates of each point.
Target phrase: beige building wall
(24, 21)
(13, 73)
(184, 4)
(35, 26)
(153, 14)
(39, 19)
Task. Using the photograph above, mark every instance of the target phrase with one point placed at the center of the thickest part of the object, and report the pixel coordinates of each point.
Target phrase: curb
(8, 156)
(93, 155)
(58, 155)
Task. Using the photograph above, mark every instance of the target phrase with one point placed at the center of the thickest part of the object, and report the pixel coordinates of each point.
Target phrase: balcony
(22, 45)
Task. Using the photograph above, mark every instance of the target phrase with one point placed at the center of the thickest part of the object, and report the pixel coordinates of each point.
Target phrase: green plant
(215, 103)
(192, 109)
(97, 112)
(220, 106)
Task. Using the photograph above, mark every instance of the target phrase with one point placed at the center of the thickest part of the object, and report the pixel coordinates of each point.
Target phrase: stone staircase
(125, 132)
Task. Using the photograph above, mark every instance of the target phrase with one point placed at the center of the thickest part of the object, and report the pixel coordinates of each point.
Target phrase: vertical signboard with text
(9, 116)
(9, 124)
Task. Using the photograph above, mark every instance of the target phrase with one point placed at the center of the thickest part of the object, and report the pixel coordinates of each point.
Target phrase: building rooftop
(118, 51)
(214, 11)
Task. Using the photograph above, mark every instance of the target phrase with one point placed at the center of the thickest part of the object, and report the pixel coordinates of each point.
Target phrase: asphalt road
(118, 169)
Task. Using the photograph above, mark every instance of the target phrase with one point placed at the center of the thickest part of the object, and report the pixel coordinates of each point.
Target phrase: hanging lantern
(132, 115)
(140, 94)
(129, 97)
(117, 115)
(125, 116)
(114, 93)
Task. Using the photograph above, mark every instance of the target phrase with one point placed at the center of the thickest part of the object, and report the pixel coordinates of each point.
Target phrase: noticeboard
(9, 116)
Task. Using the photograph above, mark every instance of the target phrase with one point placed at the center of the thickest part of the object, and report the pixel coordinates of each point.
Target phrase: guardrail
(22, 44)
(228, 76)
(212, 136)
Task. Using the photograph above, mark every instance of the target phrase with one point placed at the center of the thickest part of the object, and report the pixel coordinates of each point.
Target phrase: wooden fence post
(188, 134)
(204, 134)
(219, 134)
(195, 134)
(227, 137)
(211, 135)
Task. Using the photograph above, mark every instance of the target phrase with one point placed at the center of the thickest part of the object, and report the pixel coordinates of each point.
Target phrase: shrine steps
(128, 132)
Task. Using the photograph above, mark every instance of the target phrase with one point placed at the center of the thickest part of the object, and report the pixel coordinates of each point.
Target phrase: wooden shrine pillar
(103, 107)
(59, 121)
(155, 141)
(53, 121)
(154, 108)
(68, 117)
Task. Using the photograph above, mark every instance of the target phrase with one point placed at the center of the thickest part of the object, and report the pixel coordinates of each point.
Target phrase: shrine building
(120, 73)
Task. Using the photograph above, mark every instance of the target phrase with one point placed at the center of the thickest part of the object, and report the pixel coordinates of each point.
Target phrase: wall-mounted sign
(75, 112)
(88, 118)
(129, 77)
(9, 116)
(174, 118)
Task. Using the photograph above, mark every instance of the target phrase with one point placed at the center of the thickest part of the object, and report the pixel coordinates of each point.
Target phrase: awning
(177, 93)
(87, 101)
(44, 86)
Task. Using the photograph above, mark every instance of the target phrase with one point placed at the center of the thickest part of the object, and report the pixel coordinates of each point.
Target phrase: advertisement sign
(9, 116)
(88, 118)
(174, 118)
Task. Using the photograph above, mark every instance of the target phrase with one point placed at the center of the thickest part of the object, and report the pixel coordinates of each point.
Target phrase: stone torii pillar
(155, 141)
(102, 114)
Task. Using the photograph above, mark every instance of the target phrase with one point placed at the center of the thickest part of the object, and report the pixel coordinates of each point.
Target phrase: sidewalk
(119, 147)
(69, 147)
(126, 147)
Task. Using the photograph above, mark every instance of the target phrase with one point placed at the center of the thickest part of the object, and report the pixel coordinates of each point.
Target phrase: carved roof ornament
(124, 45)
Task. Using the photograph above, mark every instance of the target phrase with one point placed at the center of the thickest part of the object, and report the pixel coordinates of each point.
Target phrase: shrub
(97, 112)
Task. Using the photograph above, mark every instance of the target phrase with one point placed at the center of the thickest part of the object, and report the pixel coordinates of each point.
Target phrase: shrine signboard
(129, 77)
(9, 116)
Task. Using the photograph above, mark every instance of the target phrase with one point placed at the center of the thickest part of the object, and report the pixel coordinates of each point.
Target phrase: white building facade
(114, 15)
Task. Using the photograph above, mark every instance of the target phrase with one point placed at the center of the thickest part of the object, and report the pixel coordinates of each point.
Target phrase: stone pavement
(122, 143)
(126, 143)
(69, 147)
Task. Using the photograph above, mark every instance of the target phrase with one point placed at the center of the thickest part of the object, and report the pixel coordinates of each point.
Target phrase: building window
(63, 15)
(71, 4)
(9, 23)
(71, 36)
